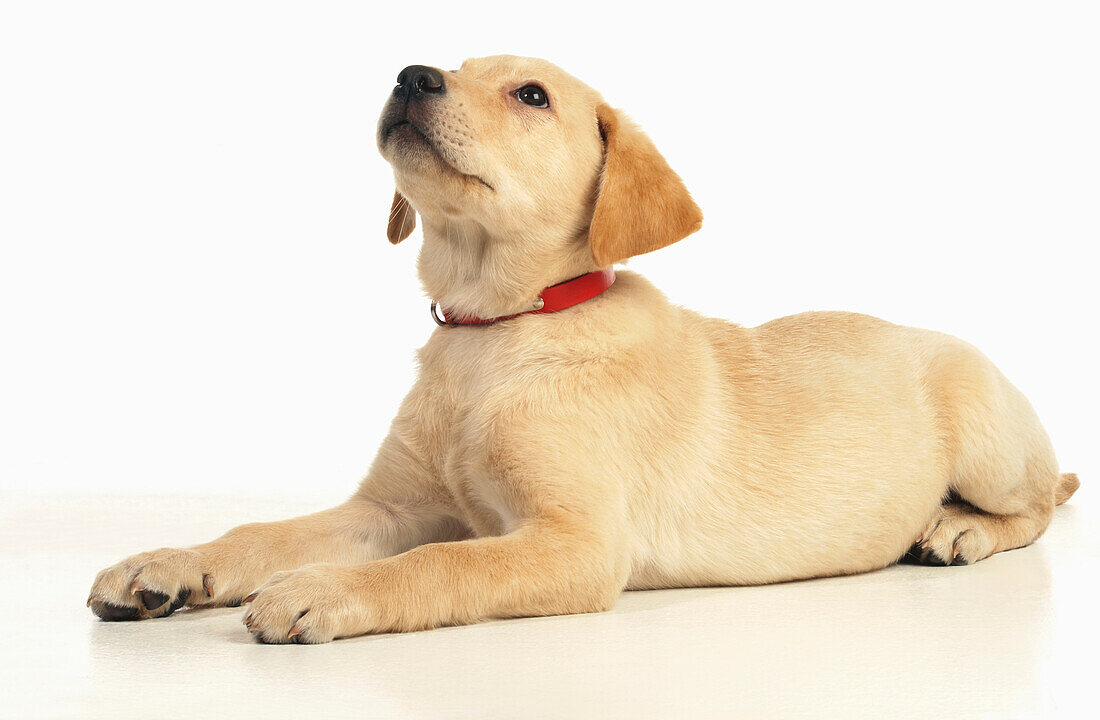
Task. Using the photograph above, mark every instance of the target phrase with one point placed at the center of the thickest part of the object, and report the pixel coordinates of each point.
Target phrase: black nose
(415, 81)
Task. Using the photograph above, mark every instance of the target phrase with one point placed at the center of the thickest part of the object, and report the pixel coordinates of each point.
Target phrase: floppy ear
(642, 204)
(402, 219)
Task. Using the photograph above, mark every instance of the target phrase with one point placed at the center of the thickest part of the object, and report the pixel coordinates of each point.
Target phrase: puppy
(565, 442)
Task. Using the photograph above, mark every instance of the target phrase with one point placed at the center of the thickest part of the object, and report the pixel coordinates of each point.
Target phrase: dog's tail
(1066, 488)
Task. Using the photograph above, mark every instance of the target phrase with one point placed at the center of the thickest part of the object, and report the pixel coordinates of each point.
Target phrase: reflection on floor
(1008, 637)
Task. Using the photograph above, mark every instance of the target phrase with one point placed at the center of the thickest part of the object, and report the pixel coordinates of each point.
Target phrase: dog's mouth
(406, 131)
(405, 125)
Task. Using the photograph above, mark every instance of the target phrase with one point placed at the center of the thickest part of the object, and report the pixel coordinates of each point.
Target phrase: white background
(196, 292)
(202, 324)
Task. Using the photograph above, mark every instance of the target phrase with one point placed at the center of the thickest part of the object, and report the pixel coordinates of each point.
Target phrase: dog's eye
(533, 95)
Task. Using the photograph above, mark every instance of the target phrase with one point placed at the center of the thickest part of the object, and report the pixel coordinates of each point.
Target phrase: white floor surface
(1010, 637)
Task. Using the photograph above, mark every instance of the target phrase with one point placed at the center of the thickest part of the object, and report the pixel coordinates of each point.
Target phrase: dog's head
(523, 149)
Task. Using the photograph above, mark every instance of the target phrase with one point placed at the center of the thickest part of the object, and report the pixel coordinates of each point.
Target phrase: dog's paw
(952, 537)
(314, 604)
(150, 585)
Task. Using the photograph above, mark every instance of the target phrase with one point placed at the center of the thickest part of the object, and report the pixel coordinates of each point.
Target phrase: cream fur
(544, 464)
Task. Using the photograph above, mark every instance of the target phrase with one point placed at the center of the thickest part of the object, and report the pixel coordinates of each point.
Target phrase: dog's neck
(470, 272)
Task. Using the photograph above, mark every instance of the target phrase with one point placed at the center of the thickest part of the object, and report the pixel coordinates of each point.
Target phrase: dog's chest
(474, 390)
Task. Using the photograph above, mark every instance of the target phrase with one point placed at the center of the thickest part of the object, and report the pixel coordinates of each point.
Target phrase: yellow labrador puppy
(566, 442)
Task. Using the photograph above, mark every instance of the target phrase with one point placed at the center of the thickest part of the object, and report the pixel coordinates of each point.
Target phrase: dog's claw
(250, 598)
(208, 584)
(955, 555)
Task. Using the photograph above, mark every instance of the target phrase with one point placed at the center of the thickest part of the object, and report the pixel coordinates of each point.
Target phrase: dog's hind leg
(962, 533)
(1004, 475)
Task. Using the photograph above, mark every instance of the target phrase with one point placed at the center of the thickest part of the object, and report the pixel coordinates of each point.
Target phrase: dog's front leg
(223, 571)
(549, 566)
(392, 512)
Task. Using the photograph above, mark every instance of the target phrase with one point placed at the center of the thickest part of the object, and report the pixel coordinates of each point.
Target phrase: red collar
(556, 297)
